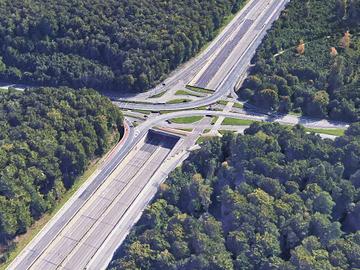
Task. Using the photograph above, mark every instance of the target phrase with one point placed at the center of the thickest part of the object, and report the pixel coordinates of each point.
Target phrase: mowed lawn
(186, 120)
(237, 122)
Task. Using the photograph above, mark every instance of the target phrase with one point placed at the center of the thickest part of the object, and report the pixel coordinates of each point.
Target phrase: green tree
(267, 99)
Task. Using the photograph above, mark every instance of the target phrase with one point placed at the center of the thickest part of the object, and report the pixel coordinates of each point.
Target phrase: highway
(226, 60)
(79, 232)
(281, 119)
(78, 237)
(72, 238)
(187, 71)
(34, 249)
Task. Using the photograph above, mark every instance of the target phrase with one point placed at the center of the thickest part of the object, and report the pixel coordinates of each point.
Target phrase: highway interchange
(82, 235)
(233, 63)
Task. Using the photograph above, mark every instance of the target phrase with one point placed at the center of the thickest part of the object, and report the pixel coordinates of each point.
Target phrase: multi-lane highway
(81, 238)
(226, 60)
(34, 249)
(78, 236)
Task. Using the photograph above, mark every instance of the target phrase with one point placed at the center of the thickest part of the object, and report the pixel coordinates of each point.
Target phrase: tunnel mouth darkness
(164, 139)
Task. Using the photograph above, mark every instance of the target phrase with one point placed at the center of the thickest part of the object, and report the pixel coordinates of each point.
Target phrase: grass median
(222, 102)
(237, 122)
(158, 95)
(200, 90)
(186, 93)
(214, 120)
(177, 101)
(186, 120)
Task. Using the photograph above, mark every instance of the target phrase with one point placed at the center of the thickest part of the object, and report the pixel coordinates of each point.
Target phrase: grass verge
(133, 116)
(295, 114)
(223, 132)
(238, 105)
(202, 139)
(9, 89)
(186, 93)
(24, 239)
(334, 131)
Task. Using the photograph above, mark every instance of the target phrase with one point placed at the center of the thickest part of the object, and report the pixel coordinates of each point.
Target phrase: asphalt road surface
(186, 72)
(73, 245)
(282, 119)
(221, 57)
(229, 58)
(34, 249)
(75, 235)
(63, 250)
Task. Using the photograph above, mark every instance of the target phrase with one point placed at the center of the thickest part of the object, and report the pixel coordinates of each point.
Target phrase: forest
(274, 198)
(309, 63)
(48, 137)
(122, 46)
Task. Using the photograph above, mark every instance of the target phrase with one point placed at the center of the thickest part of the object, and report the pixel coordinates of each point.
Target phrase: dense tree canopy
(47, 138)
(309, 61)
(274, 198)
(107, 45)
